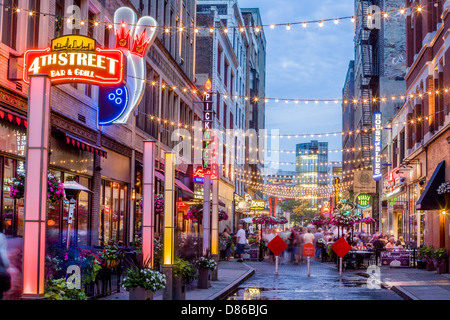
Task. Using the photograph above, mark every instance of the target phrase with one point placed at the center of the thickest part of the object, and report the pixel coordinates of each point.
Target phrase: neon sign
(75, 58)
(133, 37)
(377, 143)
(363, 201)
(199, 175)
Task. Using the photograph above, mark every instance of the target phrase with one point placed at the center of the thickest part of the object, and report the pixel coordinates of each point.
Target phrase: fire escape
(368, 47)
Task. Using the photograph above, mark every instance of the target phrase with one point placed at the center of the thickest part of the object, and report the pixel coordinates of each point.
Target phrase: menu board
(396, 259)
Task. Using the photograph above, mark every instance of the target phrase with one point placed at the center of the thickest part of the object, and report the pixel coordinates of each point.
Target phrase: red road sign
(341, 247)
(308, 250)
(277, 245)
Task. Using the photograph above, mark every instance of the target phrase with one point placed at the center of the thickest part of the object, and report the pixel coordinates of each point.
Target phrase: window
(113, 213)
(225, 76)
(9, 26)
(219, 60)
(33, 24)
(59, 22)
(75, 29)
(402, 146)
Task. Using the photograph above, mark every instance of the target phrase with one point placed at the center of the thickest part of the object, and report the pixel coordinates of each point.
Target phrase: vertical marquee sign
(208, 135)
(377, 143)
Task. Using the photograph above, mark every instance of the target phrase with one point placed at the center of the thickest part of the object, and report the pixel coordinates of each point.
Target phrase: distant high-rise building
(312, 170)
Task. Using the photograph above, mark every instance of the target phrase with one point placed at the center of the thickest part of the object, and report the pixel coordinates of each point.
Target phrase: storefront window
(8, 202)
(113, 213)
(138, 204)
(122, 213)
(107, 215)
(83, 214)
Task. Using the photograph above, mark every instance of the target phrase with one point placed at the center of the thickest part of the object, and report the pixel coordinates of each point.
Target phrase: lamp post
(72, 190)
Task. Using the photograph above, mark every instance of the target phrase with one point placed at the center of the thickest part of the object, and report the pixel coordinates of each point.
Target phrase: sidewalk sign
(395, 259)
(277, 246)
(308, 252)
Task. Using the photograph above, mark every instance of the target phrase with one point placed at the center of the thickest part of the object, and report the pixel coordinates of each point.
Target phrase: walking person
(5, 278)
(293, 244)
(317, 246)
(241, 240)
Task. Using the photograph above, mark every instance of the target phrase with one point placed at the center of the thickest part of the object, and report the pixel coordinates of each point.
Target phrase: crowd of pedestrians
(233, 245)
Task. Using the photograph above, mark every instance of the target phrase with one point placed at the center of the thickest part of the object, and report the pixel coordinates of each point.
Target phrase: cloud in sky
(308, 63)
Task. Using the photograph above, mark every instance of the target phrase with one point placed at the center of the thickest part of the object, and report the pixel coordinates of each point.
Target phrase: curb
(397, 289)
(233, 286)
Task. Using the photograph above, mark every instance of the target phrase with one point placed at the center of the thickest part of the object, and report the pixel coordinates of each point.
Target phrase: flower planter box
(441, 267)
(178, 289)
(430, 266)
(111, 264)
(421, 264)
(204, 278)
(140, 294)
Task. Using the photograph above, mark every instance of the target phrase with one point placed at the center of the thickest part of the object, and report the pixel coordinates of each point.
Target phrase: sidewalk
(414, 284)
(230, 275)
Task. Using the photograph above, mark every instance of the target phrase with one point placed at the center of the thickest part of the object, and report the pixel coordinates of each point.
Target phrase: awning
(159, 175)
(185, 190)
(83, 145)
(13, 117)
(430, 199)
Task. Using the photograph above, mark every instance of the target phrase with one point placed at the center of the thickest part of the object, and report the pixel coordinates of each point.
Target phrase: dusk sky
(305, 63)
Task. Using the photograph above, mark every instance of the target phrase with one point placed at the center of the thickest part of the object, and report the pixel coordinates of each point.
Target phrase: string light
(384, 14)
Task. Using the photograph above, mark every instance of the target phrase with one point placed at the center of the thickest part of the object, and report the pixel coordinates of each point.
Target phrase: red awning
(183, 187)
(13, 117)
(159, 175)
(83, 145)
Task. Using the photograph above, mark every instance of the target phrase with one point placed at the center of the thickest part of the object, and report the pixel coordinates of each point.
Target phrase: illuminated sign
(377, 146)
(345, 207)
(134, 38)
(258, 205)
(326, 207)
(199, 175)
(363, 201)
(75, 58)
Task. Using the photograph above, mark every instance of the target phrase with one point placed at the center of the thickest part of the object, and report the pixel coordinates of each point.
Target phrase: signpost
(341, 248)
(308, 252)
(277, 246)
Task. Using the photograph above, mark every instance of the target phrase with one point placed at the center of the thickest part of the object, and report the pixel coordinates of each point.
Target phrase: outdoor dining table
(358, 256)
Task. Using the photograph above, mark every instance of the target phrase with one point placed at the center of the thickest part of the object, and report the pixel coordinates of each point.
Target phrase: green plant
(112, 252)
(146, 278)
(183, 269)
(206, 263)
(426, 253)
(440, 255)
(90, 265)
(57, 289)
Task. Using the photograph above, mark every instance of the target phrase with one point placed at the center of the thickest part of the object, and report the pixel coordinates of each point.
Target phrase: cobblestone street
(292, 283)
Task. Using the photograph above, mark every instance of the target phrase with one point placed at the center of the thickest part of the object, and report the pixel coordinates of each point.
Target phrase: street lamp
(72, 190)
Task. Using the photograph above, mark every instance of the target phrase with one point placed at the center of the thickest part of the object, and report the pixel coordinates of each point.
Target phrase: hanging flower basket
(343, 220)
(367, 220)
(443, 188)
(269, 220)
(195, 213)
(319, 222)
(223, 215)
(159, 203)
(55, 189)
(17, 189)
